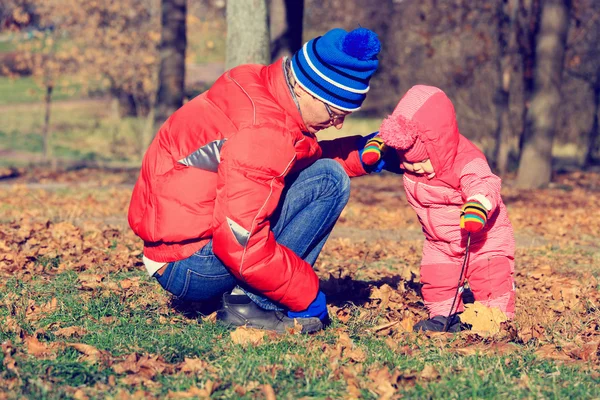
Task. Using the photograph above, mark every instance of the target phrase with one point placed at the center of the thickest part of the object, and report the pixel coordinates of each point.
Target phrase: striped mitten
(373, 151)
(473, 216)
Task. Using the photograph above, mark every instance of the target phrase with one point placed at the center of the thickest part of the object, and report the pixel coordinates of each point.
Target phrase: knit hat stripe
(327, 65)
(322, 93)
(331, 81)
(336, 67)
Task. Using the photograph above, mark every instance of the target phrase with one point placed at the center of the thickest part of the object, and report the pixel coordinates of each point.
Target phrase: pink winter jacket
(462, 173)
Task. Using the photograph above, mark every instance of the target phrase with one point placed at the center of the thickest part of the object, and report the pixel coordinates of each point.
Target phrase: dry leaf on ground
(484, 320)
(247, 336)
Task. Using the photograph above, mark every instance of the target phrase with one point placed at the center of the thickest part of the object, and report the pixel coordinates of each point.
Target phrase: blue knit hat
(336, 67)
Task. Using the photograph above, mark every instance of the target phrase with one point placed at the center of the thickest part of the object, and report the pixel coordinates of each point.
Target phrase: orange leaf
(429, 373)
(192, 365)
(484, 320)
(247, 336)
(37, 348)
(71, 331)
(268, 392)
(90, 353)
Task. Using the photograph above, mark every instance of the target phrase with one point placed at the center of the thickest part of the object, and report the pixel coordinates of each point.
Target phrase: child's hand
(473, 216)
(373, 151)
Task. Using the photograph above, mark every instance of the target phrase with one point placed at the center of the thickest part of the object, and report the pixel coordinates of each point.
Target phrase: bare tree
(286, 21)
(505, 64)
(535, 166)
(584, 65)
(171, 75)
(248, 38)
(593, 143)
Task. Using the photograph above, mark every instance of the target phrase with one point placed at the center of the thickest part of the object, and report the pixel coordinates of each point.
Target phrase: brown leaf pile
(369, 270)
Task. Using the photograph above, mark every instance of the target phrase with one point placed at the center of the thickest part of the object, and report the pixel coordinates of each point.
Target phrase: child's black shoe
(438, 323)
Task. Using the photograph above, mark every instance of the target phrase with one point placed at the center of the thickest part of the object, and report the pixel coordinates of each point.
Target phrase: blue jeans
(309, 207)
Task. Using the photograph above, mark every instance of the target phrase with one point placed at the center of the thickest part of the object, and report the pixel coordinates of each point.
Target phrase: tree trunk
(535, 166)
(171, 75)
(46, 128)
(126, 103)
(286, 22)
(593, 148)
(507, 43)
(247, 33)
(527, 26)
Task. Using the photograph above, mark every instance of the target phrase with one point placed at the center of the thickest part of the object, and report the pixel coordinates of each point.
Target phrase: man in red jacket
(236, 192)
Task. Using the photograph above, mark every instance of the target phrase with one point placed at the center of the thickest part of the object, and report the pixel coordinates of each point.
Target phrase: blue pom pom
(362, 44)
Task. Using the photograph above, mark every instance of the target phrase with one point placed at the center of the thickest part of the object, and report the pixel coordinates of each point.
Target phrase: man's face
(318, 115)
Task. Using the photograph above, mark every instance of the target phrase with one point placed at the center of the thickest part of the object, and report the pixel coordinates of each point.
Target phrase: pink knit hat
(400, 131)
(416, 153)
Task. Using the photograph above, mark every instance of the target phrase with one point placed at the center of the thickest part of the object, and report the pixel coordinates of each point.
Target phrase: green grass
(26, 90)
(6, 46)
(295, 366)
(79, 131)
(88, 131)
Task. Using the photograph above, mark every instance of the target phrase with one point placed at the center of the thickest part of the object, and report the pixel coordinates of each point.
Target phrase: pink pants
(491, 281)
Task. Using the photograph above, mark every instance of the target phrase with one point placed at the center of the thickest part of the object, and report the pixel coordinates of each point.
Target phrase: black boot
(437, 324)
(239, 310)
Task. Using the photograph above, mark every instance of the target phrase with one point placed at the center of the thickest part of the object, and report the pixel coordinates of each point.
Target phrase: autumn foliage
(73, 225)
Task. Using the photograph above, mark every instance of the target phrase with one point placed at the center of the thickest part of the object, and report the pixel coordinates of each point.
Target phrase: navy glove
(362, 146)
(318, 308)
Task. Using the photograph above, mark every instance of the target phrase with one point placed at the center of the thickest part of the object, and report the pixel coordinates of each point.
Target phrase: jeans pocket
(172, 280)
(200, 287)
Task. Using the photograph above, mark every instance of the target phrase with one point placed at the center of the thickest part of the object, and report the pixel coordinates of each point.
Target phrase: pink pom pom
(398, 132)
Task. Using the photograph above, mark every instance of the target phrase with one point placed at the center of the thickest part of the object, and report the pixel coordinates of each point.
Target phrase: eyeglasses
(334, 118)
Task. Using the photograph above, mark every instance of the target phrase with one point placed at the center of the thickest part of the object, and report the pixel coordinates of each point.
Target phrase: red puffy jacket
(216, 170)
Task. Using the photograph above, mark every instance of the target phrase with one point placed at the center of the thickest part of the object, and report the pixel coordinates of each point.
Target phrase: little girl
(449, 184)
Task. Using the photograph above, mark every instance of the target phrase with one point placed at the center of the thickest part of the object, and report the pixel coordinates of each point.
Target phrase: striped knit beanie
(400, 131)
(336, 67)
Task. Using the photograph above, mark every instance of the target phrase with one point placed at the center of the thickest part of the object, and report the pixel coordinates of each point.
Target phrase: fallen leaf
(484, 320)
(587, 352)
(192, 365)
(382, 383)
(9, 362)
(247, 336)
(383, 294)
(343, 315)
(407, 324)
(550, 352)
(147, 365)
(80, 395)
(90, 353)
(71, 331)
(250, 386)
(212, 317)
(429, 373)
(37, 348)
(268, 392)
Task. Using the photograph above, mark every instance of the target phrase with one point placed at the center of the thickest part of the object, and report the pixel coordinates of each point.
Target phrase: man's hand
(372, 152)
(473, 216)
(371, 147)
(318, 308)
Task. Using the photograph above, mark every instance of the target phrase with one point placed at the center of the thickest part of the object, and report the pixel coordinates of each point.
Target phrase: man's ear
(299, 91)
